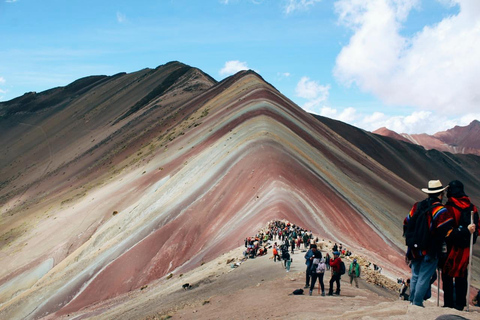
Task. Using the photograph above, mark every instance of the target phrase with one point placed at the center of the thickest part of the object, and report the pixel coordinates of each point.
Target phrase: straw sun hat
(434, 186)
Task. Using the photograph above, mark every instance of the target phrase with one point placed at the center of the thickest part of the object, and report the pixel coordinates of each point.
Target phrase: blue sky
(409, 65)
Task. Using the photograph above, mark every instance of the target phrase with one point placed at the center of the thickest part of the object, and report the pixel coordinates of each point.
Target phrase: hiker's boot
(323, 293)
(310, 293)
(337, 292)
(330, 293)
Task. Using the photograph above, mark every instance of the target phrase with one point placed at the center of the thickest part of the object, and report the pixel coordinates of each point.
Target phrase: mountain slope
(190, 170)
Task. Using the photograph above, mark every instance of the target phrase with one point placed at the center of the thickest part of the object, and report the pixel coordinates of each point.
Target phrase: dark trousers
(335, 278)
(308, 276)
(460, 290)
(316, 276)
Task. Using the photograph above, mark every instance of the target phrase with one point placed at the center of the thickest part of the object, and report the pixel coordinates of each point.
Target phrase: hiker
(454, 272)
(405, 290)
(354, 272)
(288, 261)
(292, 244)
(308, 261)
(335, 263)
(335, 247)
(327, 261)
(425, 228)
(284, 249)
(275, 253)
(317, 271)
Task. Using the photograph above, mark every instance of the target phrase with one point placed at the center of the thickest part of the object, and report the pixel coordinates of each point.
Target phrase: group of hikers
(440, 236)
(291, 236)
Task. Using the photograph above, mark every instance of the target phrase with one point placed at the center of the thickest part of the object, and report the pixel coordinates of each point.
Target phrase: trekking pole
(470, 264)
(438, 287)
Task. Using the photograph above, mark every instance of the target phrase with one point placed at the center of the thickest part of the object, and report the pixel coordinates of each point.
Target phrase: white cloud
(232, 67)
(416, 122)
(283, 75)
(2, 80)
(314, 92)
(294, 5)
(121, 18)
(310, 89)
(346, 115)
(436, 69)
(11, 1)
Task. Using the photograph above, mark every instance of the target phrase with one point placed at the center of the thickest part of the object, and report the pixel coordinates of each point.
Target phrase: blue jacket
(308, 255)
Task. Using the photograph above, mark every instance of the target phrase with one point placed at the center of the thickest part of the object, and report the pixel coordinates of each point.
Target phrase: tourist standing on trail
(458, 246)
(335, 264)
(288, 262)
(317, 259)
(308, 261)
(327, 261)
(354, 272)
(425, 228)
(292, 244)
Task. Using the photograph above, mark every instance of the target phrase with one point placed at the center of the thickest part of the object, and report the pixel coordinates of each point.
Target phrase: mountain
(112, 184)
(462, 140)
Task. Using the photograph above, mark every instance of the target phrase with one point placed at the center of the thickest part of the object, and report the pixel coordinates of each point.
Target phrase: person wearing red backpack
(335, 266)
(454, 273)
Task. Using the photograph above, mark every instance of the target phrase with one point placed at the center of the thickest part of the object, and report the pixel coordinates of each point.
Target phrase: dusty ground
(259, 289)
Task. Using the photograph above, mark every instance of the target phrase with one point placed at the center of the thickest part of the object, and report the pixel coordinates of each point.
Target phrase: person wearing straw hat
(430, 220)
(458, 246)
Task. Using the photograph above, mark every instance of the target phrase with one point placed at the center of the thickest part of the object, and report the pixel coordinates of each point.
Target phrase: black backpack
(417, 230)
(342, 268)
(461, 236)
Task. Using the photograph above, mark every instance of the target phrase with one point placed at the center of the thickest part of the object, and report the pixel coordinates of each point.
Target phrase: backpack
(298, 291)
(461, 238)
(315, 263)
(342, 268)
(417, 231)
(321, 268)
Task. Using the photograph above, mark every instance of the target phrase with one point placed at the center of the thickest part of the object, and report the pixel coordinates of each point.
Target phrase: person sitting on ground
(405, 291)
(335, 264)
(354, 272)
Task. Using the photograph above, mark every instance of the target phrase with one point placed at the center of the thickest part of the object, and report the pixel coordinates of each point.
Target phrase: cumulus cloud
(232, 67)
(436, 69)
(121, 18)
(314, 92)
(11, 1)
(294, 5)
(415, 122)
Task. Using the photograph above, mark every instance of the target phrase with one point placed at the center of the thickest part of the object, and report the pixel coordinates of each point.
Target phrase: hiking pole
(470, 264)
(438, 287)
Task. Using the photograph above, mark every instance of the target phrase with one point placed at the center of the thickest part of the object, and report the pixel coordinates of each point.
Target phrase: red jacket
(335, 264)
(457, 258)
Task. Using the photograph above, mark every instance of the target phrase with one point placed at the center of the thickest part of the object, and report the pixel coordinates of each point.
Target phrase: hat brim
(433, 191)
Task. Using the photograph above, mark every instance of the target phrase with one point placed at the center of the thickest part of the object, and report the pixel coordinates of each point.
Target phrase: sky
(412, 66)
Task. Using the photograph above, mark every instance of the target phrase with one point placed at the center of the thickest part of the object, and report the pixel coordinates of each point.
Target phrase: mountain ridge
(459, 140)
(162, 190)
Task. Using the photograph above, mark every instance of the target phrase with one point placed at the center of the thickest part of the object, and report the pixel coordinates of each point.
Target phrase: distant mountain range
(463, 140)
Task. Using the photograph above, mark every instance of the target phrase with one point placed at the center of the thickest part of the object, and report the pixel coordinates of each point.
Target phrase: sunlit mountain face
(114, 182)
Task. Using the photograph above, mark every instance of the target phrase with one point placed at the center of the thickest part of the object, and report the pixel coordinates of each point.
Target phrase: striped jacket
(439, 221)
